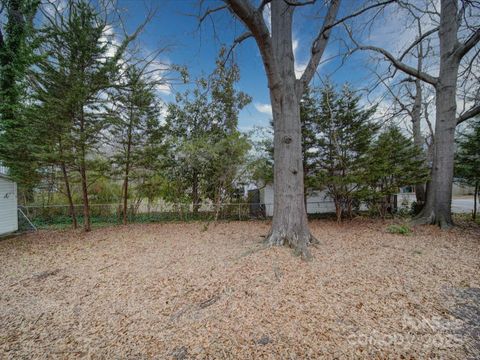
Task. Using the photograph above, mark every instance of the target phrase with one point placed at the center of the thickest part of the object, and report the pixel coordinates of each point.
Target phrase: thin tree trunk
(125, 180)
(195, 197)
(289, 225)
(67, 185)
(338, 211)
(71, 206)
(83, 175)
(438, 206)
(475, 197)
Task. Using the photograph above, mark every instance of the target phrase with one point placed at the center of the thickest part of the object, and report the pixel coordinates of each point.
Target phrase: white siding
(317, 202)
(8, 206)
(320, 203)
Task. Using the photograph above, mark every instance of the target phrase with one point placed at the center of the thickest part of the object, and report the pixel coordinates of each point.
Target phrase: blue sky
(176, 27)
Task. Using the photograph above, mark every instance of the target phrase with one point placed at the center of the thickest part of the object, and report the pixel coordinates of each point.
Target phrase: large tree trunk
(438, 206)
(289, 224)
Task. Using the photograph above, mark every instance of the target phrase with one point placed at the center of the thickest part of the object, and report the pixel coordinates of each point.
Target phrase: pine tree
(393, 161)
(135, 121)
(309, 116)
(467, 160)
(77, 72)
(345, 134)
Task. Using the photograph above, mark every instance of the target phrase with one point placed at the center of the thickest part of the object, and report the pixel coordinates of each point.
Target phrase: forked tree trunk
(437, 209)
(289, 225)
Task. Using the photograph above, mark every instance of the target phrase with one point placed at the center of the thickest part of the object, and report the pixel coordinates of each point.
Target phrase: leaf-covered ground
(187, 291)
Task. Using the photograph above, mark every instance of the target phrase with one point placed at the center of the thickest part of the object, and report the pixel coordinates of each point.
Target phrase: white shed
(8, 205)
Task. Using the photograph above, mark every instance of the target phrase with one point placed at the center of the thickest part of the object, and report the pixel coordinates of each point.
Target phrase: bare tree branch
(237, 41)
(474, 111)
(418, 41)
(320, 43)
(253, 20)
(359, 12)
(211, 11)
(299, 3)
(395, 62)
(469, 44)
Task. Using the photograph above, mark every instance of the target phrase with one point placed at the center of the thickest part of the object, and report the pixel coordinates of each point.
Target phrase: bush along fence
(42, 216)
(59, 215)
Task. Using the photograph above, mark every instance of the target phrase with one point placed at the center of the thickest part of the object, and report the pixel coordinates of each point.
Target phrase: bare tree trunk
(71, 206)
(437, 209)
(86, 205)
(475, 197)
(83, 176)
(195, 197)
(338, 211)
(125, 181)
(289, 226)
(125, 197)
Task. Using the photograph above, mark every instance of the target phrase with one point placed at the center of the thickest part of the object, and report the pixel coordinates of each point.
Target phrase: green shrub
(400, 229)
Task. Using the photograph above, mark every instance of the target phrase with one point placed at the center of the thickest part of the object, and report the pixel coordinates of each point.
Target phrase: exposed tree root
(428, 217)
(298, 242)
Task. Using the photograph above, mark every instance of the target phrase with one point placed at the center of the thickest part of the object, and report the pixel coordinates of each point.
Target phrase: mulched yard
(190, 290)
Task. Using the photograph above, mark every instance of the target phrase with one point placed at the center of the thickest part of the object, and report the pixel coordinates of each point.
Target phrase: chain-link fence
(60, 216)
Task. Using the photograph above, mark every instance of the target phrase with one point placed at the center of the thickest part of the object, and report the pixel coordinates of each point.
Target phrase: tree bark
(289, 225)
(195, 197)
(475, 197)
(83, 175)
(69, 195)
(437, 209)
(127, 172)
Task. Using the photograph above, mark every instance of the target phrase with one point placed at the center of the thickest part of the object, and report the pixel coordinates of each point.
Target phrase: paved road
(462, 205)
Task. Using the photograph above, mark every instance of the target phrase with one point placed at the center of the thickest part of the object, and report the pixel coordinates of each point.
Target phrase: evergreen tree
(344, 137)
(78, 70)
(393, 161)
(17, 42)
(135, 122)
(467, 160)
(309, 116)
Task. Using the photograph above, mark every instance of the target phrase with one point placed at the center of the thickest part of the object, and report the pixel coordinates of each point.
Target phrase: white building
(8, 204)
(318, 202)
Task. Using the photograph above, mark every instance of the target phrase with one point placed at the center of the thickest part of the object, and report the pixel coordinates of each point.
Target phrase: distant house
(8, 203)
(318, 202)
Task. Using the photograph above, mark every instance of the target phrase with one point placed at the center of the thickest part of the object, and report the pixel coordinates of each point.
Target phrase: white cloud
(157, 71)
(264, 108)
